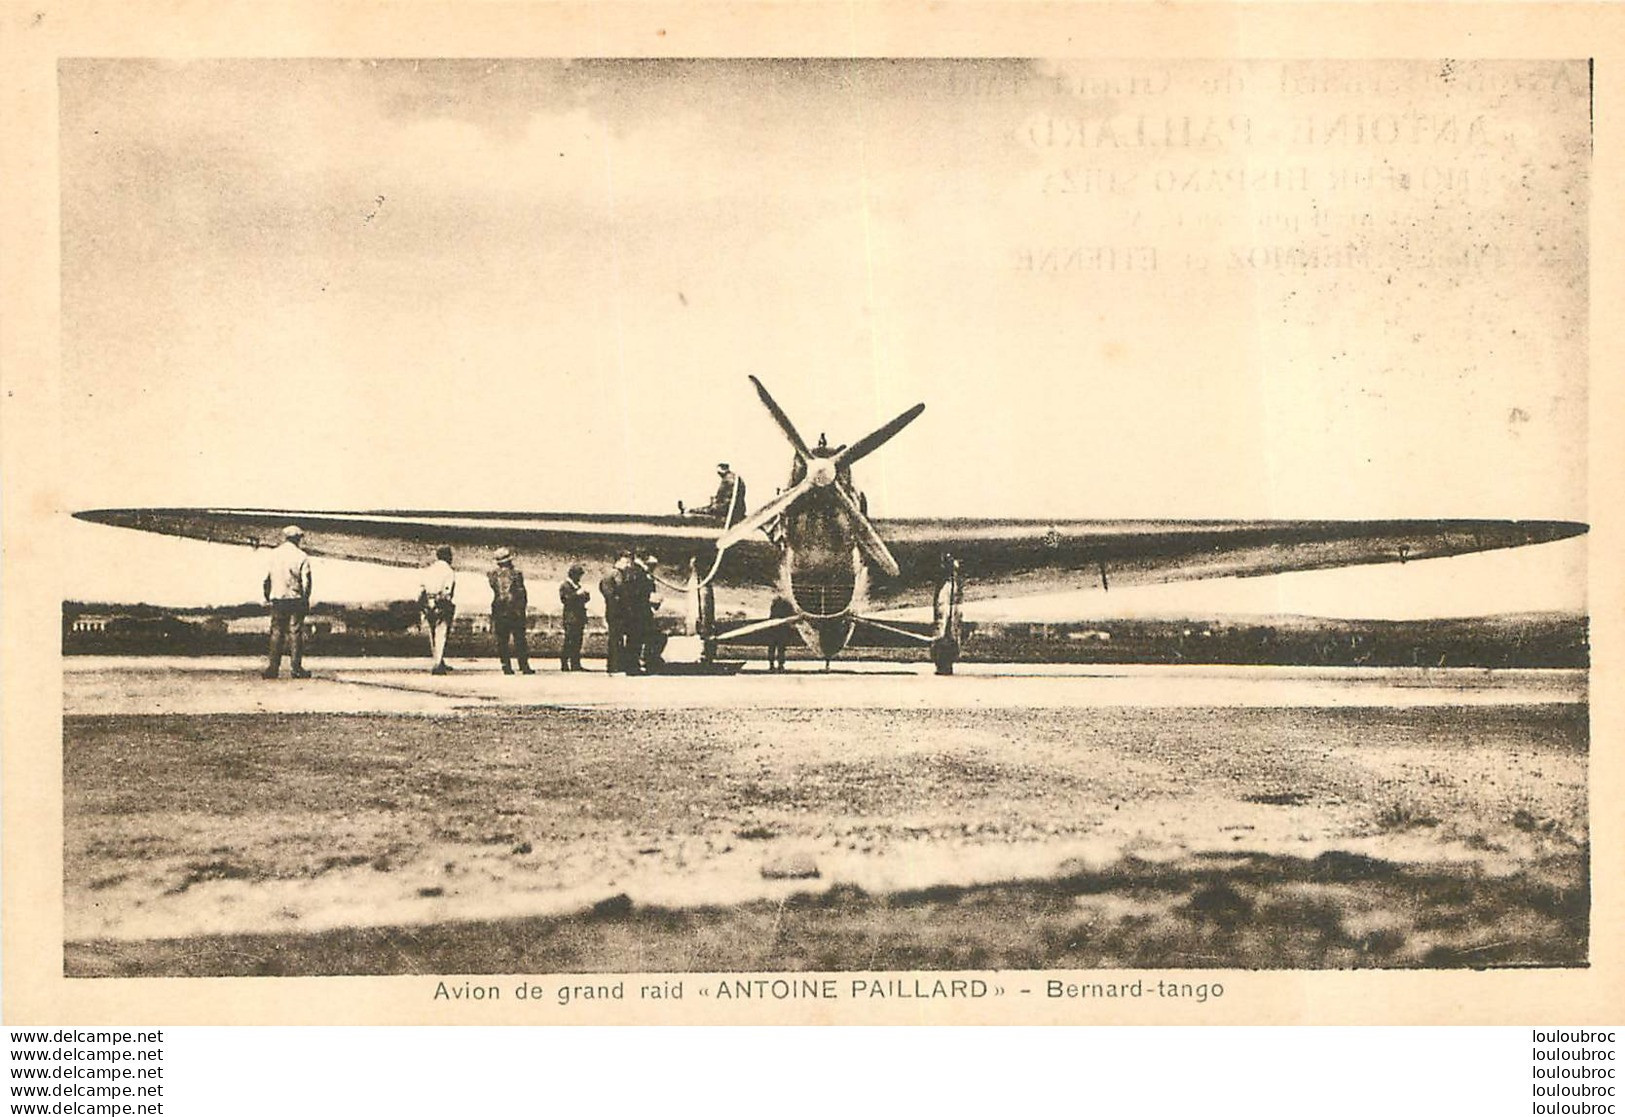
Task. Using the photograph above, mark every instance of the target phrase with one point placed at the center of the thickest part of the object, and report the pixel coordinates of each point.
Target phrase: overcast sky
(1153, 290)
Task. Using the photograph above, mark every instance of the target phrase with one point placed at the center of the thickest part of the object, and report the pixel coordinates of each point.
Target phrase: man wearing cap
(613, 588)
(728, 503)
(574, 599)
(287, 592)
(437, 600)
(509, 612)
(644, 642)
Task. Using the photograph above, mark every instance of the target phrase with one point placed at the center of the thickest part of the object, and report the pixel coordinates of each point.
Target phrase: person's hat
(504, 555)
(624, 554)
(293, 531)
(650, 556)
(723, 466)
(443, 553)
(576, 568)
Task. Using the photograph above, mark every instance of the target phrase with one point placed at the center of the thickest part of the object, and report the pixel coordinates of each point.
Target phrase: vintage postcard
(566, 515)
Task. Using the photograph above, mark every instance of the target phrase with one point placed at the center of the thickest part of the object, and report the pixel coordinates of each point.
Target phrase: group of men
(510, 612)
(630, 603)
(629, 589)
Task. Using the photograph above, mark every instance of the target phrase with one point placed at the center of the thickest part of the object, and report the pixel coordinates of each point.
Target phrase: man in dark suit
(613, 589)
(637, 588)
(778, 640)
(510, 607)
(574, 599)
(651, 641)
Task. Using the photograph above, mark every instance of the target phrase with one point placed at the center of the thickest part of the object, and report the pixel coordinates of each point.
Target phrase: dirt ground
(582, 840)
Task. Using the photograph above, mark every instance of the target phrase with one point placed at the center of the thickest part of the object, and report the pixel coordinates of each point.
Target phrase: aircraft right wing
(1005, 558)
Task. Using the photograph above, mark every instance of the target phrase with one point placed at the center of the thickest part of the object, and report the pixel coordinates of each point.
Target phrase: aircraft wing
(1006, 558)
(539, 540)
(998, 558)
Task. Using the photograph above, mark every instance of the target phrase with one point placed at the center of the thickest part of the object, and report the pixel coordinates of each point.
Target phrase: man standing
(437, 600)
(287, 592)
(778, 639)
(613, 588)
(509, 612)
(652, 642)
(638, 605)
(574, 599)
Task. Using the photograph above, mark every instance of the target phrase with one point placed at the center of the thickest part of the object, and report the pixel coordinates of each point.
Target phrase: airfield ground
(379, 820)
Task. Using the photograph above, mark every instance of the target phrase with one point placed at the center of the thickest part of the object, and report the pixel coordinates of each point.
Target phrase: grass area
(1257, 838)
(1252, 911)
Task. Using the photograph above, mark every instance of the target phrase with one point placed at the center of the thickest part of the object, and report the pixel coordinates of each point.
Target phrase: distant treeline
(394, 629)
(1519, 640)
(387, 629)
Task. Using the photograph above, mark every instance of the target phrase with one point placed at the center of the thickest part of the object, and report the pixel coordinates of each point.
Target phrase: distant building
(91, 622)
(319, 624)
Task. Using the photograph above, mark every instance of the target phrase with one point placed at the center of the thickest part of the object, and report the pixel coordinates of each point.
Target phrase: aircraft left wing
(541, 540)
(1000, 558)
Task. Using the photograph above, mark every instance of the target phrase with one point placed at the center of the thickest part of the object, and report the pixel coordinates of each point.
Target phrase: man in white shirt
(438, 602)
(287, 592)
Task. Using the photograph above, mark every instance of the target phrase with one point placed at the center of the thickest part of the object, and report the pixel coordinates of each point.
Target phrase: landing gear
(949, 634)
(708, 624)
(702, 612)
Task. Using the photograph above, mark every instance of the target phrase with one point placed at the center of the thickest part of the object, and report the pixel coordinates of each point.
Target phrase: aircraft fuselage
(822, 573)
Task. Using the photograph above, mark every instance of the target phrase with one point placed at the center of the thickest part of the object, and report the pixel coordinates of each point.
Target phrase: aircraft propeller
(784, 422)
(823, 472)
(875, 439)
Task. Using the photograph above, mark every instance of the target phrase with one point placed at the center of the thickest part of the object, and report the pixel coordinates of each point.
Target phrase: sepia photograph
(1117, 519)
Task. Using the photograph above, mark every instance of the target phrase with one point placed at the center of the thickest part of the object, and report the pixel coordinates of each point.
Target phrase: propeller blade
(869, 541)
(763, 515)
(783, 420)
(873, 441)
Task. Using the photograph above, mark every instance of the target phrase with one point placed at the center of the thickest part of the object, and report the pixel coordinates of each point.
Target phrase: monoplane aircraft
(815, 546)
